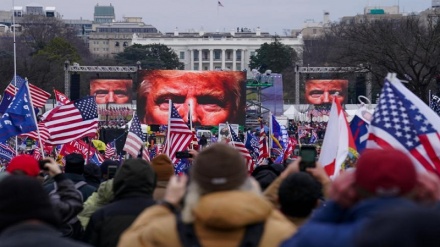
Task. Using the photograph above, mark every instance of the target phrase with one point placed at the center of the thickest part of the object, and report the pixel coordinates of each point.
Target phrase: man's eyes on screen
(316, 93)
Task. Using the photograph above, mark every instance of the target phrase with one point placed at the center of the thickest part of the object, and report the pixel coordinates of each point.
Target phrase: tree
(407, 46)
(153, 56)
(274, 56)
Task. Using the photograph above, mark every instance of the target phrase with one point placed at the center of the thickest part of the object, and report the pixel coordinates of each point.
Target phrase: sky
(273, 16)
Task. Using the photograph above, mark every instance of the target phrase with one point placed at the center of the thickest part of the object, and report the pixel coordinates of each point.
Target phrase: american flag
(179, 133)
(402, 121)
(289, 149)
(72, 121)
(153, 152)
(110, 150)
(39, 96)
(262, 146)
(235, 142)
(44, 133)
(37, 153)
(135, 138)
(145, 154)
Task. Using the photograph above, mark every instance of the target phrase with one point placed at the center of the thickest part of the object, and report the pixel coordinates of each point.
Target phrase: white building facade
(217, 50)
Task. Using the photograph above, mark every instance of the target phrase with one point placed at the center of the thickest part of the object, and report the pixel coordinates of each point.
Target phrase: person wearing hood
(133, 187)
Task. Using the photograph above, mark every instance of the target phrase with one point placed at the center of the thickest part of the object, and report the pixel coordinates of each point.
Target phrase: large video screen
(213, 96)
(111, 91)
(322, 91)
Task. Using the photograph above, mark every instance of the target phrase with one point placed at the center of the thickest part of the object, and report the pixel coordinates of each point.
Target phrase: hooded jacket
(133, 187)
(220, 220)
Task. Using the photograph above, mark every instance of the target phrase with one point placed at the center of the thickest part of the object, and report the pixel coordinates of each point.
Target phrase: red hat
(25, 163)
(385, 172)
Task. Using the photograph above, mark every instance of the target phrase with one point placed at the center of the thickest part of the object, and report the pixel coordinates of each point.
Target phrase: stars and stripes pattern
(38, 95)
(145, 154)
(235, 142)
(135, 138)
(110, 150)
(44, 133)
(402, 121)
(262, 145)
(75, 120)
(179, 133)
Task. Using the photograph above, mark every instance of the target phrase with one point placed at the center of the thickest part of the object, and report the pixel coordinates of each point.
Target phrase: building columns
(223, 59)
(234, 59)
(211, 59)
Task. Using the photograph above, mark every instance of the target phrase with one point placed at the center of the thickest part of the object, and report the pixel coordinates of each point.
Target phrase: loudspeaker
(75, 86)
(110, 134)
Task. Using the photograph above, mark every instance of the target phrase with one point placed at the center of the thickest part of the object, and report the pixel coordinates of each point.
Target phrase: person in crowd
(133, 188)
(223, 206)
(203, 142)
(116, 91)
(164, 169)
(384, 180)
(92, 174)
(74, 170)
(27, 216)
(323, 91)
(214, 96)
(403, 227)
(298, 193)
(265, 174)
(108, 169)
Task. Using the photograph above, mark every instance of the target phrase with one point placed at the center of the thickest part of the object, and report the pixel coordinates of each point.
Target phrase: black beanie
(74, 164)
(23, 198)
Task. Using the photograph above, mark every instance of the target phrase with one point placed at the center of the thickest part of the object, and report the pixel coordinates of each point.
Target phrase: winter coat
(333, 226)
(159, 191)
(220, 220)
(133, 188)
(98, 199)
(86, 190)
(35, 235)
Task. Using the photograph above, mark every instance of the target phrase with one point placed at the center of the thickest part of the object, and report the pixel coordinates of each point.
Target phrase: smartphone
(111, 171)
(42, 164)
(183, 155)
(308, 155)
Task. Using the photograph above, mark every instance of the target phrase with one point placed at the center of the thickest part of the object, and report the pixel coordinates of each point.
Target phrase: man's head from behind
(134, 177)
(299, 194)
(22, 198)
(384, 172)
(74, 163)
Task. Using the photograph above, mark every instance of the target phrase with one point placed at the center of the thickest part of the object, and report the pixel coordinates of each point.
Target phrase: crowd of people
(384, 201)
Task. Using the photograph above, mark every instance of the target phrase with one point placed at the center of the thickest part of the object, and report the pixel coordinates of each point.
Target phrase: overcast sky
(272, 16)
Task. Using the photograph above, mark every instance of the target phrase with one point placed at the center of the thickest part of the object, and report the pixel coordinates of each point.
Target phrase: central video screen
(211, 97)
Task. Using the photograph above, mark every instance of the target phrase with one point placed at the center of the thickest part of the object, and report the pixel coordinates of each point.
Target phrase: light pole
(66, 78)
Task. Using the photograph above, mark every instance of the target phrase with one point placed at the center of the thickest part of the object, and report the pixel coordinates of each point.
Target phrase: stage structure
(254, 88)
(329, 70)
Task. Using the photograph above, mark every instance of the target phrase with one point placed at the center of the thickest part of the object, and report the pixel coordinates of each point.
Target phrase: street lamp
(66, 78)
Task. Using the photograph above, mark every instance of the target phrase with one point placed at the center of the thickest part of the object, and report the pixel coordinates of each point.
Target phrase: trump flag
(403, 121)
(338, 148)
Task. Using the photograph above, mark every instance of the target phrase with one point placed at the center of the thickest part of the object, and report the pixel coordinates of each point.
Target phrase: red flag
(61, 98)
(179, 133)
(72, 121)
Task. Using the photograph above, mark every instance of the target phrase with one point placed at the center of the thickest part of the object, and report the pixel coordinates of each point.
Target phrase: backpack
(72, 228)
(188, 237)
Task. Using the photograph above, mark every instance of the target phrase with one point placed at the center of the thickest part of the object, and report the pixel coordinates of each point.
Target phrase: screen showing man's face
(323, 91)
(116, 91)
(211, 97)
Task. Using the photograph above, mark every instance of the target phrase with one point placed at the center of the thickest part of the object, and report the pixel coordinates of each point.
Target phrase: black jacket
(86, 190)
(133, 187)
(35, 235)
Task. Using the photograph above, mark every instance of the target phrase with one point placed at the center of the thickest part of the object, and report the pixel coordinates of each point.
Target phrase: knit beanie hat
(25, 163)
(23, 198)
(219, 167)
(74, 163)
(163, 167)
(385, 172)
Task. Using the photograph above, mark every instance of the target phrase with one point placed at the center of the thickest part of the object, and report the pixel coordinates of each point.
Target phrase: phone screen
(308, 157)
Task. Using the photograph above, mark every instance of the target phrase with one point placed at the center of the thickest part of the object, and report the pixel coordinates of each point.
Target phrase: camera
(308, 155)
(183, 155)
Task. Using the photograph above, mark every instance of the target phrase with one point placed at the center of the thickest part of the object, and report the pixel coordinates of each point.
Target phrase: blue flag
(359, 128)
(6, 101)
(252, 144)
(9, 93)
(19, 116)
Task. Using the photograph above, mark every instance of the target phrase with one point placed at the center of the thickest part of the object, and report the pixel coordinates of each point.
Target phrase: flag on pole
(6, 152)
(237, 144)
(262, 146)
(135, 138)
(110, 150)
(44, 133)
(61, 98)
(39, 96)
(220, 4)
(145, 153)
(75, 120)
(19, 116)
(403, 121)
(338, 148)
(180, 135)
(359, 128)
(251, 143)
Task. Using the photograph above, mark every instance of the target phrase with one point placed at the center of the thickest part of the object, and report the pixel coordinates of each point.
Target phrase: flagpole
(270, 131)
(190, 122)
(35, 118)
(230, 133)
(15, 65)
(170, 106)
(429, 99)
